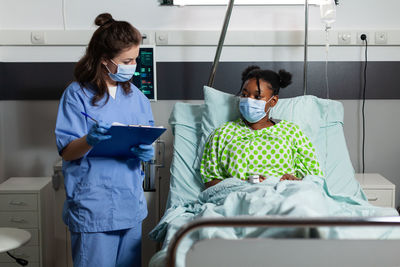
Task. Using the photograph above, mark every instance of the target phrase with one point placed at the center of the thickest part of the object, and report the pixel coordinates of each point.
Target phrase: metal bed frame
(247, 221)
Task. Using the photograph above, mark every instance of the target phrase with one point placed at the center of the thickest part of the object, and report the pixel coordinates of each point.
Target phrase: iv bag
(328, 12)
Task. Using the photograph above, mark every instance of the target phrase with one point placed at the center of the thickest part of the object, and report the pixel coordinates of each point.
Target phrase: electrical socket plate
(381, 38)
(361, 42)
(145, 38)
(344, 38)
(162, 38)
(38, 37)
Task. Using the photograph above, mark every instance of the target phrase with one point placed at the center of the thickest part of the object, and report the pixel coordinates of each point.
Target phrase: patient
(255, 144)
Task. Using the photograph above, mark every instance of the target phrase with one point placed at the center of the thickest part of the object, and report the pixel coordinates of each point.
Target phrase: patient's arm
(212, 170)
(305, 156)
(212, 182)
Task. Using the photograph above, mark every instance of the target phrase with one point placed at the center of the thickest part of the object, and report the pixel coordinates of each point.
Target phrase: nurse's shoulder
(75, 92)
(139, 94)
(139, 98)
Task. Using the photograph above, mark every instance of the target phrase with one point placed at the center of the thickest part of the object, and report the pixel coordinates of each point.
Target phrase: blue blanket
(233, 197)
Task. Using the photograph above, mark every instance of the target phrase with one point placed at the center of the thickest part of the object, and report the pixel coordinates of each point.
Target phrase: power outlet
(358, 37)
(381, 38)
(145, 39)
(38, 37)
(344, 38)
(162, 38)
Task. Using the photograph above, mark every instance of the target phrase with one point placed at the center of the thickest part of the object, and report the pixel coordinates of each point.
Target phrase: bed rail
(246, 221)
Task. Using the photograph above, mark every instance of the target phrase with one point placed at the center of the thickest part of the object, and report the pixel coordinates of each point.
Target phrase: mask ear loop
(269, 109)
(107, 68)
(112, 61)
(259, 94)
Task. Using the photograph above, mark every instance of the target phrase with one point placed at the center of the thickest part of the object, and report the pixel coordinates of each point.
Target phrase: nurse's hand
(143, 152)
(98, 133)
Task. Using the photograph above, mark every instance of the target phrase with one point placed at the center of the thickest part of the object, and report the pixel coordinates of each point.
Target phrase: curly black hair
(277, 80)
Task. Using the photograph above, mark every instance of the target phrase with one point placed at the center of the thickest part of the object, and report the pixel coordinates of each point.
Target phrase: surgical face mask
(124, 72)
(253, 110)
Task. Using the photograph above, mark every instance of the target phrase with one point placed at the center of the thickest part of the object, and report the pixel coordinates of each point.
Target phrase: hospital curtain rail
(246, 221)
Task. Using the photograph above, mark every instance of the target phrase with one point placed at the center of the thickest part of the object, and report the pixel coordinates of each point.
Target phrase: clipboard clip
(138, 125)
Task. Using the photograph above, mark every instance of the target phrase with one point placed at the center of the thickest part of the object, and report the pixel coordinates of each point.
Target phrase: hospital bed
(322, 121)
(284, 235)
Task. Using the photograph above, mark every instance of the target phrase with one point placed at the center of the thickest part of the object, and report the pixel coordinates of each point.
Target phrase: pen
(88, 116)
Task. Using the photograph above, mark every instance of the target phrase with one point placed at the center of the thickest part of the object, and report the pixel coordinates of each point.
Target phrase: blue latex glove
(143, 152)
(98, 133)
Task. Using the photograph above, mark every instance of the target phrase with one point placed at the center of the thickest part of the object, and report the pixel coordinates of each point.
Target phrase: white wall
(382, 140)
(147, 14)
(27, 145)
(27, 138)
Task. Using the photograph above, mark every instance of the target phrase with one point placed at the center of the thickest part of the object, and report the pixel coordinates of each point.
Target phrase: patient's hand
(212, 182)
(288, 176)
(262, 178)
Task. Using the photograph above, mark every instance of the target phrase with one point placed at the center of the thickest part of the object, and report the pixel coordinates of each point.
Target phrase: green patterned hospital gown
(235, 150)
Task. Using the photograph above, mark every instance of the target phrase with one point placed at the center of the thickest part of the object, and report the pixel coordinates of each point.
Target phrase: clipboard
(123, 138)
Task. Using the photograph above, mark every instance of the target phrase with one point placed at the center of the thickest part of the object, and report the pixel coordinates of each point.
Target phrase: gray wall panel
(34, 81)
(184, 80)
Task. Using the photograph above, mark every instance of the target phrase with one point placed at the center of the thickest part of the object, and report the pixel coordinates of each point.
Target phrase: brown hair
(107, 41)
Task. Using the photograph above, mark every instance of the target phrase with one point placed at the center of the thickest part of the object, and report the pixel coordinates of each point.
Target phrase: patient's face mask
(253, 110)
(124, 72)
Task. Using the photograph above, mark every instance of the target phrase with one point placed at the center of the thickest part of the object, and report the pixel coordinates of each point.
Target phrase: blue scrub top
(102, 194)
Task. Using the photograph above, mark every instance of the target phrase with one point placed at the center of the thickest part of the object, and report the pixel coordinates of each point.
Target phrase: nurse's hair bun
(103, 19)
(249, 69)
(285, 78)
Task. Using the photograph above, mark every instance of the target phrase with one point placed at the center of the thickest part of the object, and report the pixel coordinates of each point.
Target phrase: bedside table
(27, 203)
(379, 190)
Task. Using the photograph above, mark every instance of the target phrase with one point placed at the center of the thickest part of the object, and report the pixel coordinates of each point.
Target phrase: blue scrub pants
(120, 248)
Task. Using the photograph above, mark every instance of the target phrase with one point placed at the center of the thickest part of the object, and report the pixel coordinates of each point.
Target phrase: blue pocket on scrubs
(94, 204)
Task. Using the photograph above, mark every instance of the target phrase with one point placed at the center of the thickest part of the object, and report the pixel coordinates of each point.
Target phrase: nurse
(105, 203)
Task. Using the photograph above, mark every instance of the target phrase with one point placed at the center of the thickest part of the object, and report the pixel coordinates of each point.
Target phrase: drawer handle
(373, 199)
(17, 203)
(17, 220)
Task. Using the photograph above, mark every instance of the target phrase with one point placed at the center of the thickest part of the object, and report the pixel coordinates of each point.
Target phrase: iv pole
(305, 64)
(222, 39)
(220, 43)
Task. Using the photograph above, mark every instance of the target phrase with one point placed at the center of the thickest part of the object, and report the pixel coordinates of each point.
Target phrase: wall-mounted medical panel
(280, 38)
(348, 37)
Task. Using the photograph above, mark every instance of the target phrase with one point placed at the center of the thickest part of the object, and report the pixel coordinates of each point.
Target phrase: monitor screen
(145, 75)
